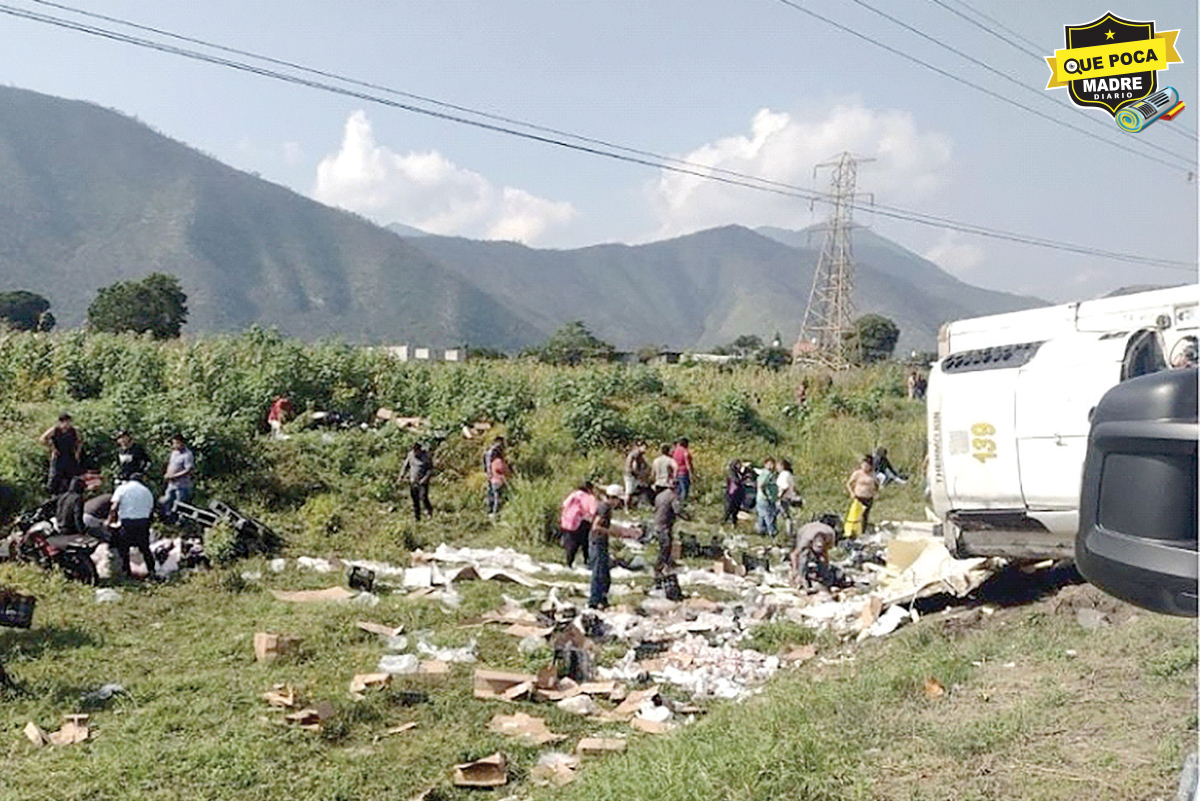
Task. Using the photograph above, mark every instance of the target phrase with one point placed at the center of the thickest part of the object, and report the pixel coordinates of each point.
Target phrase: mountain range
(91, 196)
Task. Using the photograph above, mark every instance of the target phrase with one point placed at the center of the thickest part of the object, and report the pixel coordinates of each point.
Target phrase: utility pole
(829, 317)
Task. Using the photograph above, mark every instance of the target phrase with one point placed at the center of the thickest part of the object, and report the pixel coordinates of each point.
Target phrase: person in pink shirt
(578, 512)
(683, 469)
(498, 475)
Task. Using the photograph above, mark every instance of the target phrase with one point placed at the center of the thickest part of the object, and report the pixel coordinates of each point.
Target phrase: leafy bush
(594, 422)
(532, 508)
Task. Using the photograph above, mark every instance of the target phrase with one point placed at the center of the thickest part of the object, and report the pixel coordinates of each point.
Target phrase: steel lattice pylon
(829, 317)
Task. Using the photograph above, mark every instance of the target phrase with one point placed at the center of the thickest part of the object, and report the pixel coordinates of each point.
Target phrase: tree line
(873, 339)
(155, 305)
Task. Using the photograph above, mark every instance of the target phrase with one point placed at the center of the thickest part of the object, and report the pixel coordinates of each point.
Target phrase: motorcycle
(37, 540)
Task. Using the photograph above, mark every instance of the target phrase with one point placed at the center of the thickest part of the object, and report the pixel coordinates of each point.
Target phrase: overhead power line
(959, 79)
(550, 136)
(993, 24)
(1041, 94)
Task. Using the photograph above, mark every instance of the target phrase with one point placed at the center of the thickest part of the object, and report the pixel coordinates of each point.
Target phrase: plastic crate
(16, 611)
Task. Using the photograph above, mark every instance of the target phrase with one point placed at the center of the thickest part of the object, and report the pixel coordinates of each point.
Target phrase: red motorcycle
(37, 541)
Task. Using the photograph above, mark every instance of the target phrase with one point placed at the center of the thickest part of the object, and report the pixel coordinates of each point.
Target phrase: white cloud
(960, 259)
(428, 191)
(910, 165)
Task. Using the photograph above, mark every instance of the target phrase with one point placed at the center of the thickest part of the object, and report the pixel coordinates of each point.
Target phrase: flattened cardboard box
(490, 771)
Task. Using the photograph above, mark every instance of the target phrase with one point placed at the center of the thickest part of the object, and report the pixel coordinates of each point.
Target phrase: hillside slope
(92, 197)
(707, 288)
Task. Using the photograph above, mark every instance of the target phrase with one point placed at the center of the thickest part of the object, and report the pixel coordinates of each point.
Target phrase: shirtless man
(813, 543)
(863, 486)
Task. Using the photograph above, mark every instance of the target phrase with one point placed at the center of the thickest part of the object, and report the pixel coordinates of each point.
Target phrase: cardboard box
(269, 647)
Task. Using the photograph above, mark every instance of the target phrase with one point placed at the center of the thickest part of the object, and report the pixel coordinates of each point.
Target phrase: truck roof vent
(1000, 357)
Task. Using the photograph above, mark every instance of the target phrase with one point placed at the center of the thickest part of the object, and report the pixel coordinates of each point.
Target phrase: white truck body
(1008, 409)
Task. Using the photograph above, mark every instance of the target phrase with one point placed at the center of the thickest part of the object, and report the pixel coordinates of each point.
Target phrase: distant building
(624, 357)
(666, 357)
(712, 358)
(406, 353)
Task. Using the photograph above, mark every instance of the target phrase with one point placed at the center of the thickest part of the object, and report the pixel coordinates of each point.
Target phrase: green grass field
(1105, 714)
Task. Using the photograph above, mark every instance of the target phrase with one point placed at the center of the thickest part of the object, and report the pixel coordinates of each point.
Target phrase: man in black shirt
(68, 512)
(131, 457)
(417, 470)
(66, 451)
(666, 510)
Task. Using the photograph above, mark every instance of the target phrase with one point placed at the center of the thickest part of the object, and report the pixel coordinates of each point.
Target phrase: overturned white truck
(1009, 401)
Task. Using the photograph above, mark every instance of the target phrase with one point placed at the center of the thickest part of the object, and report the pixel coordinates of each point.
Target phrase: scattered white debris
(104, 692)
(106, 595)
(704, 670)
(365, 599)
(463, 655)
(888, 622)
(579, 705)
(399, 664)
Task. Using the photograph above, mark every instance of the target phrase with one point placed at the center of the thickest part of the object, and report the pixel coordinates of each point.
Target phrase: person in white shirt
(132, 505)
(788, 496)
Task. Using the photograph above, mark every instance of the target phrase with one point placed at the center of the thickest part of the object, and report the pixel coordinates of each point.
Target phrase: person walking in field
(499, 473)
(666, 510)
(489, 454)
(131, 457)
(601, 530)
(766, 499)
(417, 470)
(637, 475)
(862, 487)
(66, 453)
(577, 513)
(683, 469)
(789, 497)
(179, 476)
(132, 505)
(280, 412)
(735, 492)
(662, 470)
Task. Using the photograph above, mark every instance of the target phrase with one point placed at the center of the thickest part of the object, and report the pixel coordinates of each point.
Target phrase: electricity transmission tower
(829, 317)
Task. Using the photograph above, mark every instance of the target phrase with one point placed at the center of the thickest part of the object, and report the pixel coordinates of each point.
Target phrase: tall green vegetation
(155, 305)
(873, 339)
(564, 423)
(25, 311)
(573, 344)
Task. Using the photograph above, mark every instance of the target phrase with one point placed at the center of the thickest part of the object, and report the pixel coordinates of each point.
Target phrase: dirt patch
(1072, 601)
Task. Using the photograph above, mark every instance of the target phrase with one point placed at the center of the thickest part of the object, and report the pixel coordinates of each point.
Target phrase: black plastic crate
(16, 611)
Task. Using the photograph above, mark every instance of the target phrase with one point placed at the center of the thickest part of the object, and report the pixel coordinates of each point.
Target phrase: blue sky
(754, 86)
